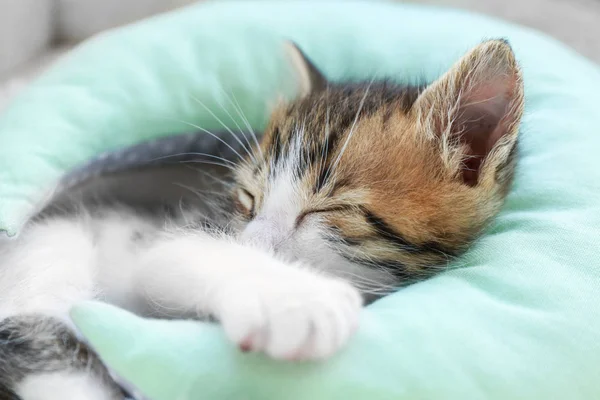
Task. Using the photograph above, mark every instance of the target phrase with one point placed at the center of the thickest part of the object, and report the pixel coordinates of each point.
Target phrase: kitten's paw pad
(294, 320)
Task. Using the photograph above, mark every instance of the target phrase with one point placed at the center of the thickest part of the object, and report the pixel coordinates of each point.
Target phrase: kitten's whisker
(359, 279)
(234, 120)
(380, 283)
(214, 136)
(232, 168)
(194, 154)
(238, 109)
(372, 286)
(365, 258)
(201, 193)
(225, 126)
(378, 293)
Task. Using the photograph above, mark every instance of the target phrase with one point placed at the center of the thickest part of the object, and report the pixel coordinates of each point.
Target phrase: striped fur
(400, 177)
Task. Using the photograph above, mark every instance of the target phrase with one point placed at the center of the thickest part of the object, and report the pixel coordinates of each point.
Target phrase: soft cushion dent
(519, 320)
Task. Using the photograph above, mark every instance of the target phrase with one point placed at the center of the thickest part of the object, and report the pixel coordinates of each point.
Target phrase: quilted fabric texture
(519, 320)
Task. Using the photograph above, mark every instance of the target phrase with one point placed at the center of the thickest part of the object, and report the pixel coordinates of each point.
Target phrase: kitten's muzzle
(263, 234)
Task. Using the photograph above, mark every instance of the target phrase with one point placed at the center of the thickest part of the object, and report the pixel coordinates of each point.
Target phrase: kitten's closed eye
(244, 203)
(317, 211)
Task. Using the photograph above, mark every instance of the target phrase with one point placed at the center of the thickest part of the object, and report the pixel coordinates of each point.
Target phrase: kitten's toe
(333, 323)
(307, 321)
(243, 319)
(288, 332)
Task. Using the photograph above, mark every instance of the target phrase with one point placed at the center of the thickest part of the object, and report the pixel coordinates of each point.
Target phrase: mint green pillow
(519, 320)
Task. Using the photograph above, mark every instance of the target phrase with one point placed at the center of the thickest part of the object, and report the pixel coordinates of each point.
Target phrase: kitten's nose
(263, 234)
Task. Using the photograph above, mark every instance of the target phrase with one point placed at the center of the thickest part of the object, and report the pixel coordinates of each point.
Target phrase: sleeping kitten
(355, 187)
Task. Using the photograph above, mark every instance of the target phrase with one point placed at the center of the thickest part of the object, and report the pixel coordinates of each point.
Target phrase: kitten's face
(384, 183)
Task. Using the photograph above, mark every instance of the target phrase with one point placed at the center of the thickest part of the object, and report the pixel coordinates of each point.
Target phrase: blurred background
(34, 33)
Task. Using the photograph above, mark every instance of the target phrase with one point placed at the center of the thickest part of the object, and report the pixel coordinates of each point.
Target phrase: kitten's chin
(308, 247)
(372, 282)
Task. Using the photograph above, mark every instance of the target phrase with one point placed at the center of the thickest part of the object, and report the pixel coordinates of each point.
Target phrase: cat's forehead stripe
(325, 119)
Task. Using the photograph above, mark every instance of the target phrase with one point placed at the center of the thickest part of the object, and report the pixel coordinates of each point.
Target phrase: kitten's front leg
(284, 310)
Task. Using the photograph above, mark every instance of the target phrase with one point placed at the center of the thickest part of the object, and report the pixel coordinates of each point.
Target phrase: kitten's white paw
(295, 316)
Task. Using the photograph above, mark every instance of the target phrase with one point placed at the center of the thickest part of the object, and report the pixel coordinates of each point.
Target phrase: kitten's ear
(309, 78)
(474, 111)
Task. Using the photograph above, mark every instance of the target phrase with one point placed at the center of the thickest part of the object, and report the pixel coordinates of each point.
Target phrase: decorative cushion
(519, 320)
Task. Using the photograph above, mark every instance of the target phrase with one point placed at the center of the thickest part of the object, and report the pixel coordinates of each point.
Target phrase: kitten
(355, 187)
